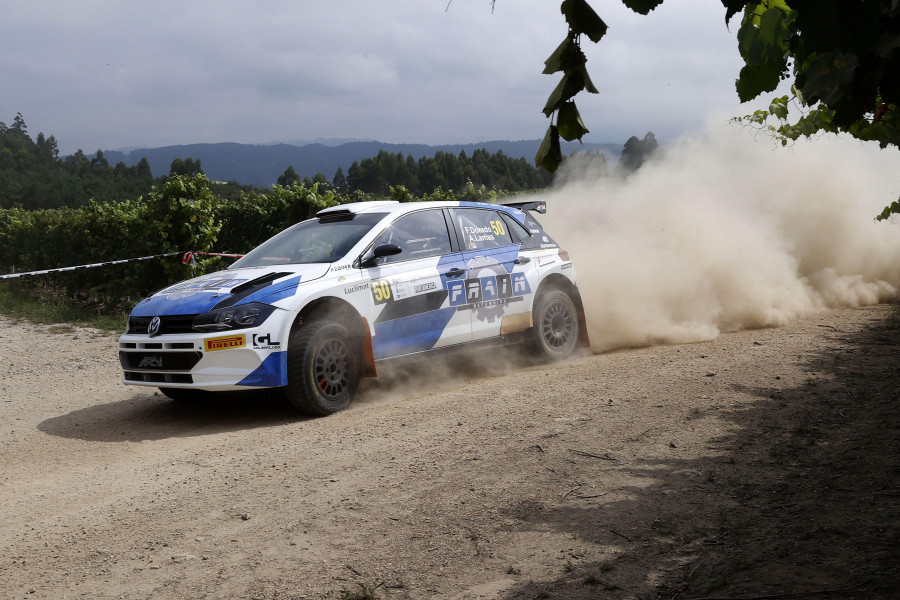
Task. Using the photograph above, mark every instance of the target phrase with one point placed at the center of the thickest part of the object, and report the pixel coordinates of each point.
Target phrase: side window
(519, 232)
(480, 228)
(420, 235)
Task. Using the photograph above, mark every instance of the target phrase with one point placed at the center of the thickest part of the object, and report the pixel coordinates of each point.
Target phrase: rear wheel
(555, 331)
(323, 368)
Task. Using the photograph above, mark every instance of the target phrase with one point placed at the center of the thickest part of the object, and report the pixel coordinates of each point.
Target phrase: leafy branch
(841, 57)
(570, 60)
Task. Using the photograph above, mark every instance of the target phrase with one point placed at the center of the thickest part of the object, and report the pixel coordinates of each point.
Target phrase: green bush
(181, 214)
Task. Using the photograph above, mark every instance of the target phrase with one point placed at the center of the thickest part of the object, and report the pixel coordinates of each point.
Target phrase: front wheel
(323, 368)
(555, 331)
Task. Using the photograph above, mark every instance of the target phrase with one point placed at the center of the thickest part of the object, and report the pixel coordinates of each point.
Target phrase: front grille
(158, 377)
(160, 361)
(169, 324)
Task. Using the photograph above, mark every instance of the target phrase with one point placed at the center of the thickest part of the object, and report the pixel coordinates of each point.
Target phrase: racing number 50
(497, 228)
(381, 291)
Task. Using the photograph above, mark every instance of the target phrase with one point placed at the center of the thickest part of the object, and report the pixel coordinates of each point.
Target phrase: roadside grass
(17, 302)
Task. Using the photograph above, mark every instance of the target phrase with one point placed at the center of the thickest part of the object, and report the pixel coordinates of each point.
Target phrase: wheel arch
(341, 311)
(557, 281)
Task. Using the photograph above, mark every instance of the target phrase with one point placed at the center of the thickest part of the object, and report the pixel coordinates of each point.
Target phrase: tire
(323, 368)
(555, 331)
(183, 394)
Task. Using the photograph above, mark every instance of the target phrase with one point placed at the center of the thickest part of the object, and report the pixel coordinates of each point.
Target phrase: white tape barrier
(102, 264)
(188, 258)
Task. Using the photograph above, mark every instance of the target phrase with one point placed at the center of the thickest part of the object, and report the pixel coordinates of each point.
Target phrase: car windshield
(324, 240)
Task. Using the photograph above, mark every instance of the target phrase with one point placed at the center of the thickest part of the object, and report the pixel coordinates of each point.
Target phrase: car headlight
(234, 317)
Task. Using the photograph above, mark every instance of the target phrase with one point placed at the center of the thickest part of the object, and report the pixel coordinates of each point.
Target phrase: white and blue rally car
(328, 300)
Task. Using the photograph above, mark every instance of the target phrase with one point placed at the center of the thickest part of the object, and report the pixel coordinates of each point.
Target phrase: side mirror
(371, 257)
(386, 250)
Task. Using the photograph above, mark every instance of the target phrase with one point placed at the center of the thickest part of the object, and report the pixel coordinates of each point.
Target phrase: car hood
(229, 288)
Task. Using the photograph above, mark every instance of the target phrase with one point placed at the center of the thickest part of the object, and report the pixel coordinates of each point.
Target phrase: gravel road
(762, 462)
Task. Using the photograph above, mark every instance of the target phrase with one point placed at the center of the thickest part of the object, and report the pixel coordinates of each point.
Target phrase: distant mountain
(318, 140)
(261, 165)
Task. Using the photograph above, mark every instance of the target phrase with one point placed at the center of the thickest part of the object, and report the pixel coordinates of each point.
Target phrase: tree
(143, 169)
(193, 167)
(78, 163)
(288, 177)
(842, 57)
(845, 56)
(47, 151)
(122, 170)
(188, 167)
(339, 181)
(19, 124)
(99, 162)
(34, 177)
(636, 152)
(451, 172)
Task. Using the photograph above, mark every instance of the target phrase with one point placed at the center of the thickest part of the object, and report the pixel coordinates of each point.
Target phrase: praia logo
(487, 289)
(487, 295)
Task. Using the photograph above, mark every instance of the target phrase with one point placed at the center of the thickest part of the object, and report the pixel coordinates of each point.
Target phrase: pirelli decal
(226, 343)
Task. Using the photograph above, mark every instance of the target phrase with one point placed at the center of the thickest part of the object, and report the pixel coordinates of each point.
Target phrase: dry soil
(762, 464)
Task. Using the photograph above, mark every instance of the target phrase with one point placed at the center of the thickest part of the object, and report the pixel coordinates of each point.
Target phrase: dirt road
(763, 462)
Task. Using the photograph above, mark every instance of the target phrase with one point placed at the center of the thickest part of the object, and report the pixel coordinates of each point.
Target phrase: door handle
(522, 260)
(455, 272)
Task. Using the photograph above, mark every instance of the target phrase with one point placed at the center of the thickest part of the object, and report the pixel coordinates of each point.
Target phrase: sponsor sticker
(388, 290)
(356, 288)
(490, 292)
(381, 291)
(226, 343)
(421, 288)
(487, 289)
(265, 342)
(151, 362)
(400, 288)
(201, 285)
(419, 285)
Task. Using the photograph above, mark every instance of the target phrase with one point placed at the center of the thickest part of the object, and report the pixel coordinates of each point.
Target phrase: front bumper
(242, 359)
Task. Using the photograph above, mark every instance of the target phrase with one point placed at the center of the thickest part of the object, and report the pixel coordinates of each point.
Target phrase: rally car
(328, 300)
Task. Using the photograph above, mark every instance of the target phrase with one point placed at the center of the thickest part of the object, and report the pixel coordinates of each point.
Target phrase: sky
(110, 74)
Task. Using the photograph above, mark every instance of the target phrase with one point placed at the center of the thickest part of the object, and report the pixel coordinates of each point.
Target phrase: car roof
(356, 207)
(393, 206)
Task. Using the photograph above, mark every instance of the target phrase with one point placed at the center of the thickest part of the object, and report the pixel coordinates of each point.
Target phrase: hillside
(260, 165)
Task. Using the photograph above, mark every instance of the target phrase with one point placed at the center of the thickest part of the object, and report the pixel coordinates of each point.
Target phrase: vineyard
(180, 214)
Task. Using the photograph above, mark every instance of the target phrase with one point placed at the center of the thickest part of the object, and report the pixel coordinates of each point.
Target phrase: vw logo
(153, 327)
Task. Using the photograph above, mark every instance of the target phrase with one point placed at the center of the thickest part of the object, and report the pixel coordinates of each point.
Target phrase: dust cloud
(728, 231)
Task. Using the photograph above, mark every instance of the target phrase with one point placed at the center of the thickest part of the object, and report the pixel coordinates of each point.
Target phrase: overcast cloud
(110, 74)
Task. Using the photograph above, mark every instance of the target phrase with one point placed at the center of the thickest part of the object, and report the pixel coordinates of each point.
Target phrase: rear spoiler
(538, 207)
